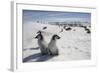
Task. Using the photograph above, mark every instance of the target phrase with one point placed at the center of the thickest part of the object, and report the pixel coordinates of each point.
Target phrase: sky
(55, 16)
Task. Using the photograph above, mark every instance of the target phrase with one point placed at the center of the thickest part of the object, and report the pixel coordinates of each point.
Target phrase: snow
(74, 44)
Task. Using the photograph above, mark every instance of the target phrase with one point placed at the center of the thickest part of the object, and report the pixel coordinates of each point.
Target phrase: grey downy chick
(52, 47)
(42, 43)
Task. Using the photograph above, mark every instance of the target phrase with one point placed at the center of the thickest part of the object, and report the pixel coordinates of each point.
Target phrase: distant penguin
(44, 28)
(52, 47)
(39, 32)
(88, 31)
(61, 30)
(68, 28)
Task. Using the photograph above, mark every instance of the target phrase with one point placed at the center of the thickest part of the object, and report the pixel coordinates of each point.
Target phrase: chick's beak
(59, 37)
(35, 37)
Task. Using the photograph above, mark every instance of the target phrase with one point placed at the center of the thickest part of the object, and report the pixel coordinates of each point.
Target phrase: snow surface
(74, 44)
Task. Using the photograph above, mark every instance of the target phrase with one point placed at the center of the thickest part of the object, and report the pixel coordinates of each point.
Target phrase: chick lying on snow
(87, 30)
(68, 28)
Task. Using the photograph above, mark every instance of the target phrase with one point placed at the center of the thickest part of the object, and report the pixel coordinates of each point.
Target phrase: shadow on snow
(37, 57)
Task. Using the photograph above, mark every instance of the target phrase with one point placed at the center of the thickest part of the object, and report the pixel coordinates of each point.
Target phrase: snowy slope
(73, 45)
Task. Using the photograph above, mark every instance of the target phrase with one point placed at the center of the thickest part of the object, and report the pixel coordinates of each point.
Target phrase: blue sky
(54, 16)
